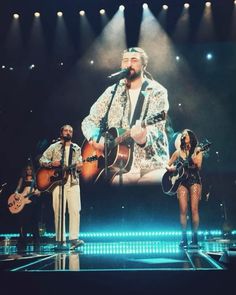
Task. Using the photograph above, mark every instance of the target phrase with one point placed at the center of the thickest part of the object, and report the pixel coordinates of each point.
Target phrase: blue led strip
(127, 234)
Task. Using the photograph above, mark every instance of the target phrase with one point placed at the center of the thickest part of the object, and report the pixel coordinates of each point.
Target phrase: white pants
(137, 177)
(61, 261)
(72, 199)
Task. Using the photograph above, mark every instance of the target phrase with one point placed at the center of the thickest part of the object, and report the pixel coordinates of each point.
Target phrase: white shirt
(67, 152)
(133, 94)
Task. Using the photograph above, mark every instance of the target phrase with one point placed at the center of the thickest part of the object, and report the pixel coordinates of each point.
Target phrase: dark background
(34, 104)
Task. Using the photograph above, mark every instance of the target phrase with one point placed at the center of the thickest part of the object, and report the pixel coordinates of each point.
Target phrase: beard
(67, 137)
(133, 75)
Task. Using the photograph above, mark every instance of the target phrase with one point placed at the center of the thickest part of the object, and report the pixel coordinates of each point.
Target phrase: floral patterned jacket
(155, 153)
(54, 153)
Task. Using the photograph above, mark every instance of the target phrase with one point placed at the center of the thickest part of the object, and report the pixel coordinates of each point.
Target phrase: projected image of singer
(133, 111)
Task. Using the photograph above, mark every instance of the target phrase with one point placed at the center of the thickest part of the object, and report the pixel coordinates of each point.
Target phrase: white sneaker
(76, 244)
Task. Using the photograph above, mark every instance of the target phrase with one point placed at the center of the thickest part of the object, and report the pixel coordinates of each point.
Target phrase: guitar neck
(73, 166)
(148, 121)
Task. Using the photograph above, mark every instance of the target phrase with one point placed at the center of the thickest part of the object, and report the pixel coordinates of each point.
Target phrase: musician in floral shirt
(52, 158)
(126, 104)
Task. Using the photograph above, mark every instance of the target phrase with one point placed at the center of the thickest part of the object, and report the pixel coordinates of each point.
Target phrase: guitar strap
(139, 105)
(72, 171)
(70, 154)
(32, 185)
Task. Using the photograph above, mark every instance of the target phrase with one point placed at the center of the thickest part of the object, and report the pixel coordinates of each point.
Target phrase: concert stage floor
(134, 255)
(125, 266)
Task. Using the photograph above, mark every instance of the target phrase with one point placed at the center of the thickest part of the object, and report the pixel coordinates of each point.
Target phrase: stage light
(177, 58)
(82, 12)
(91, 62)
(208, 4)
(59, 13)
(11, 68)
(145, 6)
(37, 14)
(165, 7)
(209, 56)
(121, 8)
(31, 67)
(102, 11)
(16, 15)
(61, 63)
(186, 5)
(3, 67)
(113, 34)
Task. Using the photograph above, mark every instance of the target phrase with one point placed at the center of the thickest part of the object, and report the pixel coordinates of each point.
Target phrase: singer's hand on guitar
(97, 145)
(171, 168)
(56, 163)
(37, 192)
(79, 165)
(138, 133)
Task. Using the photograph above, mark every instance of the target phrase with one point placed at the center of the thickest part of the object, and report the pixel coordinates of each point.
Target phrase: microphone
(123, 73)
(2, 186)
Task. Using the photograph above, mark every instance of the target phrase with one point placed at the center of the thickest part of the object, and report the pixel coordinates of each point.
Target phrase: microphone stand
(61, 200)
(104, 130)
(36, 231)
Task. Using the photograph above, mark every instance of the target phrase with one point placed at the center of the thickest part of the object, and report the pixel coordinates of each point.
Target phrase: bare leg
(182, 195)
(195, 192)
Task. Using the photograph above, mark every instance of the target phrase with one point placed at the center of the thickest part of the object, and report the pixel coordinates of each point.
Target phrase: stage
(56, 60)
(127, 266)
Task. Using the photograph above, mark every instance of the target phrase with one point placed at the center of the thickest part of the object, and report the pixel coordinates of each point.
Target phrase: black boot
(184, 241)
(36, 244)
(21, 245)
(194, 244)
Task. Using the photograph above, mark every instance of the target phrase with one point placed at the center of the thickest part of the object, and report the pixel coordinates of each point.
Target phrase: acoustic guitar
(48, 178)
(171, 180)
(119, 155)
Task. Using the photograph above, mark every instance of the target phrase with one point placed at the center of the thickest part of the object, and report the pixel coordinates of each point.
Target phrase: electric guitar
(119, 154)
(16, 202)
(171, 180)
(48, 178)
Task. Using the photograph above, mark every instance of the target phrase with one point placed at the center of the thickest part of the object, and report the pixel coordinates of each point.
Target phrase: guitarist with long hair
(189, 189)
(28, 218)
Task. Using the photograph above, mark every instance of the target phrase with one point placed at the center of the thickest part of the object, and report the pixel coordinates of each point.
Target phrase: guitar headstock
(154, 119)
(205, 145)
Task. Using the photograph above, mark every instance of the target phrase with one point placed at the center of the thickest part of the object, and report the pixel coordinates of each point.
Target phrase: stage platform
(121, 267)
